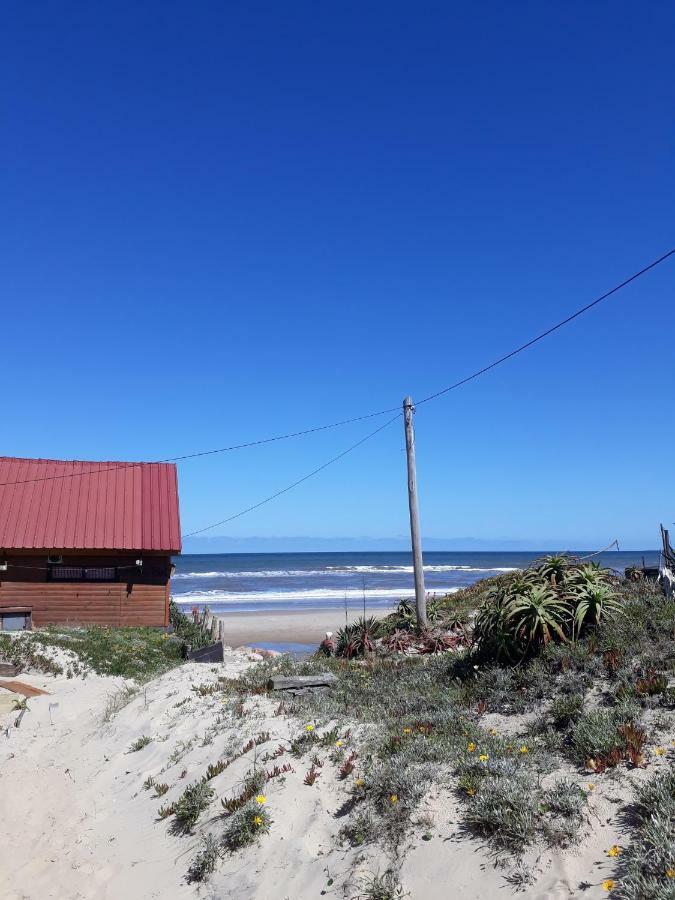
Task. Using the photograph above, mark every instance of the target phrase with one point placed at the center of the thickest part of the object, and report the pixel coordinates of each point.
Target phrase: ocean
(250, 582)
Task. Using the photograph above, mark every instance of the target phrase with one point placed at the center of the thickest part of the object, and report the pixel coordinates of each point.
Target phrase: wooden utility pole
(415, 534)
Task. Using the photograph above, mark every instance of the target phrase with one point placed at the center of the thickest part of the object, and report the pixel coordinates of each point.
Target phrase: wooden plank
(211, 654)
(18, 687)
(8, 670)
(298, 682)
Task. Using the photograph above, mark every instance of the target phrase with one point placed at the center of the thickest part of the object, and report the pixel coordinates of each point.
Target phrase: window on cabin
(82, 573)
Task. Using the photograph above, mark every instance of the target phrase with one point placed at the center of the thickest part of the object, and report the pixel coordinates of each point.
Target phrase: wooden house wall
(140, 597)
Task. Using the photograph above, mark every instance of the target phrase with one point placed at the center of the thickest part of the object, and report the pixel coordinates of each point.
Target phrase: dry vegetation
(530, 699)
(137, 653)
(556, 679)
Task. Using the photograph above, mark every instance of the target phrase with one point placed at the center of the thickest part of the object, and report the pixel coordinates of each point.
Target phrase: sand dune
(78, 823)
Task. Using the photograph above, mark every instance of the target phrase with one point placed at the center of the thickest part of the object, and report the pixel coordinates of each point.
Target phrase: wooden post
(668, 555)
(413, 506)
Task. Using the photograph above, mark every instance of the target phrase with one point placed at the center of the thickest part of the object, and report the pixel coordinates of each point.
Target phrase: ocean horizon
(278, 582)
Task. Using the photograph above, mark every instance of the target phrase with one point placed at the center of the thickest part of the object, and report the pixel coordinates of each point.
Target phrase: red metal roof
(50, 504)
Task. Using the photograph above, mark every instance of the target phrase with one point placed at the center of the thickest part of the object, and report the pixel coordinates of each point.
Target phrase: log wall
(139, 597)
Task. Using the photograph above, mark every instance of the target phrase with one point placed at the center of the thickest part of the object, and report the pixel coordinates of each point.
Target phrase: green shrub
(566, 709)
(564, 798)
(192, 634)
(360, 829)
(395, 778)
(564, 803)
(245, 826)
(190, 805)
(254, 782)
(505, 810)
(205, 861)
(381, 887)
(22, 651)
(647, 867)
(139, 653)
(598, 736)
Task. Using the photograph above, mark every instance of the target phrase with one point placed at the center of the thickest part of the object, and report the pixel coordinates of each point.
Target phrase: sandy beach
(302, 627)
(80, 820)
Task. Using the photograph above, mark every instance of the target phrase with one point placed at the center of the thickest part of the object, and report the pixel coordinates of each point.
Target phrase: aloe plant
(523, 582)
(593, 604)
(588, 575)
(358, 638)
(492, 634)
(537, 616)
(554, 568)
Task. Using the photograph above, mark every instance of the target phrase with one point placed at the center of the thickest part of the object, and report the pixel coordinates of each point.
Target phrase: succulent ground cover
(575, 668)
(536, 704)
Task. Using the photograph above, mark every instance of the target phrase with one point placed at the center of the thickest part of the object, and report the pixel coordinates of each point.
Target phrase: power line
(446, 390)
(295, 483)
(382, 412)
(546, 333)
(173, 459)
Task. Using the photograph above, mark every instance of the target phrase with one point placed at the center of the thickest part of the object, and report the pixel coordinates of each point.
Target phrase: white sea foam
(272, 573)
(347, 570)
(336, 571)
(215, 596)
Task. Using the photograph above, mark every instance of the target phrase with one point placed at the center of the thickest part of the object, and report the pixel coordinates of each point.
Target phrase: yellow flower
(471, 791)
(591, 786)
(483, 757)
(659, 751)
(394, 799)
(614, 850)
(257, 820)
(471, 748)
(407, 731)
(524, 749)
(670, 873)
(359, 782)
(260, 799)
(608, 884)
(309, 728)
(338, 743)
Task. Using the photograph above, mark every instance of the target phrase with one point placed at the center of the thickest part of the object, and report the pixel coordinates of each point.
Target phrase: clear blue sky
(225, 220)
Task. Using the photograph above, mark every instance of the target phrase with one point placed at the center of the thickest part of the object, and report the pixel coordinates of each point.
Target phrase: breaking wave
(336, 571)
(292, 596)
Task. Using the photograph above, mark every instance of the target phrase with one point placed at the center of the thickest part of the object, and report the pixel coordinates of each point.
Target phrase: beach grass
(137, 653)
(518, 746)
(571, 709)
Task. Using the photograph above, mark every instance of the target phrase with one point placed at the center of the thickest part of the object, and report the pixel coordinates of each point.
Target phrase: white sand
(77, 822)
(305, 627)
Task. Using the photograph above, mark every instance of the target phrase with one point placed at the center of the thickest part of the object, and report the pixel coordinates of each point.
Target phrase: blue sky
(225, 220)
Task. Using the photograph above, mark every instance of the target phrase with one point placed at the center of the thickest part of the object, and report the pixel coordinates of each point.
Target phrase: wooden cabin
(86, 542)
